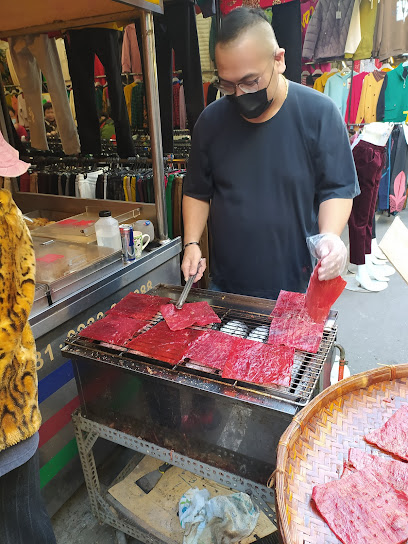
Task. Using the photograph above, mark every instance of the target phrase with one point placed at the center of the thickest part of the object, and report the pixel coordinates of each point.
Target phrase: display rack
(88, 431)
(42, 16)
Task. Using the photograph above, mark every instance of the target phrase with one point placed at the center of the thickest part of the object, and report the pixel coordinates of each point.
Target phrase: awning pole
(153, 108)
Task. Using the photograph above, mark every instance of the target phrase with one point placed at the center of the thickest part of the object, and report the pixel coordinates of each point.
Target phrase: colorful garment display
(320, 83)
(370, 93)
(351, 112)
(396, 95)
(337, 87)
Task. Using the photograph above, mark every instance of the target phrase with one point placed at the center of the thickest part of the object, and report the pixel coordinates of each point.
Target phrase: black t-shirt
(265, 183)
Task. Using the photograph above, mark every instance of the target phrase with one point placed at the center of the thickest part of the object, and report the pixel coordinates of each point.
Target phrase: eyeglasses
(248, 87)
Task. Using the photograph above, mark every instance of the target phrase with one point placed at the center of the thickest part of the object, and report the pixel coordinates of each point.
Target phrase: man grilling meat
(270, 165)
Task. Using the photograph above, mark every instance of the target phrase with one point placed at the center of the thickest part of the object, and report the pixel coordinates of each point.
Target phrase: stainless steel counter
(77, 301)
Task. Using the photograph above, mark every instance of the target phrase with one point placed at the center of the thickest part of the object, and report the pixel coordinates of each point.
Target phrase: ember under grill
(191, 409)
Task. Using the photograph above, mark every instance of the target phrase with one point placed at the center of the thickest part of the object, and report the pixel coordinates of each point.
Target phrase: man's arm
(333, 216)
(195, 216)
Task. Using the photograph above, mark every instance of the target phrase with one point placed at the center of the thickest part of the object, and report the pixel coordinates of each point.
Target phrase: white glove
(331, 251)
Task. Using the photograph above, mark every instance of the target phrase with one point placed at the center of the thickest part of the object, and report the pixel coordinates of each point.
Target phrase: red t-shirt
(21, 131)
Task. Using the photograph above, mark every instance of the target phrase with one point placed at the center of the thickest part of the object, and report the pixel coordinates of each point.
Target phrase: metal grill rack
(306, 368)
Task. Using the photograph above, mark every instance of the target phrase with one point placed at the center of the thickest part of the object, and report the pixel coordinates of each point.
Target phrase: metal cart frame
(107, 510)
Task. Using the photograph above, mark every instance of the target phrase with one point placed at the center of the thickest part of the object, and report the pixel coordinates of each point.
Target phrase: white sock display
(376, 251)
(363, 279)
(374, 270)
(380, 266)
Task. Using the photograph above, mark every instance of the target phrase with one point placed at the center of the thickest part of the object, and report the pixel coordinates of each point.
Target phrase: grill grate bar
(306, 367)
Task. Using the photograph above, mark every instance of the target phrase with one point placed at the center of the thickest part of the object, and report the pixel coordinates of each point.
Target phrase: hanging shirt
(203, 33)
(127, 91)
(370, 93)
(391, 38)
(354, 33)
(396, 95)
(368, 15)
(321, 81)
(381, 100)
(355, 90)
(337, 87)
(266, 182)
(306, 9)
(131, 61)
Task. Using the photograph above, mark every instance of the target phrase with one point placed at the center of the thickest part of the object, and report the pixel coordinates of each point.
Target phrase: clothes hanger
(345, 70)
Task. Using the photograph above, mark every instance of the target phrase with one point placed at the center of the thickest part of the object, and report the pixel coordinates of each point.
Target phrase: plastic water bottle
(107, 231)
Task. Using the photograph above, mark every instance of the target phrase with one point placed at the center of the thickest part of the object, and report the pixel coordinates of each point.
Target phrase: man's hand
(332, 253)
(193, 263)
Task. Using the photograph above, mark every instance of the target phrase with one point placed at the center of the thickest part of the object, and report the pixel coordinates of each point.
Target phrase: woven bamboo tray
(314, 446)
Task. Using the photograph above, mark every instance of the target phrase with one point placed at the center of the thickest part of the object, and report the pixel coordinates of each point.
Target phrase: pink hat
(10, 164)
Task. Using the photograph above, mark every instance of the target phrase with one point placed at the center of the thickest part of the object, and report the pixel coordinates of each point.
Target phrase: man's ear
(280, 60)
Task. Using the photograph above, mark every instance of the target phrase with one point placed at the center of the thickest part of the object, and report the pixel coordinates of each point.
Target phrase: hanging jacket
(131, 61)
(396, 95)
(19, 414)
(391, 31)
(326, 34)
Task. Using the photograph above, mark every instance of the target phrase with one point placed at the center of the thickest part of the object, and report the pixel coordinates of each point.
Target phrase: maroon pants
(369, 160)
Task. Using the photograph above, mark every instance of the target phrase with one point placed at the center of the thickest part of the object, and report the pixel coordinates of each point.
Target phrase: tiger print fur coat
(19, 414)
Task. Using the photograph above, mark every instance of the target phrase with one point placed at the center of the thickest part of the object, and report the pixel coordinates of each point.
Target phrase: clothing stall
(78, 281)
(357, 54)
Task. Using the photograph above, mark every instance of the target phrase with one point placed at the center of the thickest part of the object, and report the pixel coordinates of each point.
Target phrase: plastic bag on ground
(224, 519)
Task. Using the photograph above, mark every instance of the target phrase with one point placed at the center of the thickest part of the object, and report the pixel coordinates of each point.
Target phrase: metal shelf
(108, 511)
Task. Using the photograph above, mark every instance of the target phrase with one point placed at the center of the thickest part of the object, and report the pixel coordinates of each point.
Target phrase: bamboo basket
(314, 446)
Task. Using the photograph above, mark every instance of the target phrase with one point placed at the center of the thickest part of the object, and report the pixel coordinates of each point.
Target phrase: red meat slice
(193, 313)
(113, 329)
(321, 295)
(139, 306)
(296, 332)
(289, 304)
(355, 509)
(162, 344)
(211, 349)
(256, 362)
(393, 435)
(395, 472)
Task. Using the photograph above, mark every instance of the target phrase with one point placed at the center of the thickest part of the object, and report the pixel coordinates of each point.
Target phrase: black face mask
(253, 105)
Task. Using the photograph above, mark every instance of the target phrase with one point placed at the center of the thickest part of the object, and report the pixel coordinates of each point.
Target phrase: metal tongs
(185, 291)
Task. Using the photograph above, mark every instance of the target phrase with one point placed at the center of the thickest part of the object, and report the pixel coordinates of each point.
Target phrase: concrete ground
(372, 326)
(372, 329)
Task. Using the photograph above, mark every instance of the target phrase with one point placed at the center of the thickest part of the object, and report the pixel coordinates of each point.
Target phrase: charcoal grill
(191, 410)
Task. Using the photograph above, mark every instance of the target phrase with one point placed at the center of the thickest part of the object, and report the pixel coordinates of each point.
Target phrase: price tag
(338, 14)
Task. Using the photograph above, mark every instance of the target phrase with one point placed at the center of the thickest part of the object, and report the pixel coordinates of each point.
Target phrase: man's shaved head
(247, 22)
